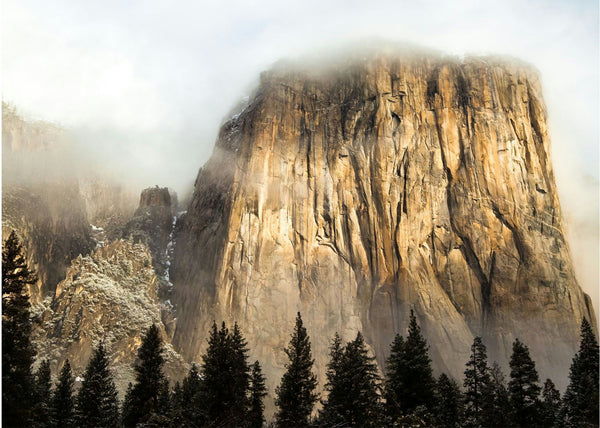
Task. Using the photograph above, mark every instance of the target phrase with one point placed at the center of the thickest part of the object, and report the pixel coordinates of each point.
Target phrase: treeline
(226, 390)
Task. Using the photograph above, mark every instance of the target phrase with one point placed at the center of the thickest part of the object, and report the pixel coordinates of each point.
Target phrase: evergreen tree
(191, 395)
(177, 403)
(410, 382)
(97, 403)
(17, 351)
(496, 404)
(161, 417)
(477, 381)
(523, 387)
(226, 374)
(258, 391)
(353, 385)
(142, 400)
(63, 405)
(331, 413)
(240, 374)
(214, 368)
(449, 408)
(364, 385)
(581, 397)
(295, 396)
(394, 384)
(418, 378)
(42, 390)
(128, 404)
(186, 400)
(550, 408)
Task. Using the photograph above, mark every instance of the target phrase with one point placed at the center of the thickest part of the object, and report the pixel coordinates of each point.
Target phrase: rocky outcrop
(52, 225)
(357, 191)
(110, 296)
(152, 224)
(108, 204)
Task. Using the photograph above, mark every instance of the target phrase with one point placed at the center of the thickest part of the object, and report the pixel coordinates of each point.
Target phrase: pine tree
(331, 413)
(449, 408)
(97, 403)
(496, 404)
(161, 417)
(17, 351)
(240, 373)
(186, 408)
(410, 382)
(394, 384)
(42, 390)
(142, 399)
(63, 405)
(177, 403)
(226, 375)
(364, 387)
(353, 386)
(418, 378)
(258, 391)
(477, 381)
(523, 387)
(128, 404)
(295, 396)
(581, 397)
(214, 370)
(550, 408)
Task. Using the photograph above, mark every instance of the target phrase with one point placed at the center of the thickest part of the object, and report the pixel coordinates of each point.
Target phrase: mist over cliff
(356, 190)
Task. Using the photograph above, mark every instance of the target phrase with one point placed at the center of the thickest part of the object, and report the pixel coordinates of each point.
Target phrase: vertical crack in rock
(400, 182)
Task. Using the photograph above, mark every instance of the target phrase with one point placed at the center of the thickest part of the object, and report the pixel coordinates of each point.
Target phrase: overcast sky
(145, 84)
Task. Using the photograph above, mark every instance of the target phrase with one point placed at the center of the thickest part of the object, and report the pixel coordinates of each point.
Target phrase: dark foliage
(410, 382)
(186, 408)
(17, 351)
(581, 397)
(496, 405)
(40, 416)
(258, 391)
(449, 408)
(296, 396)
(477, 385)
(226, 374)
(550, 408)
(523, 387)
(97, 403)
(142, 402)
(62, 405)
(353, 386)
(394, 383)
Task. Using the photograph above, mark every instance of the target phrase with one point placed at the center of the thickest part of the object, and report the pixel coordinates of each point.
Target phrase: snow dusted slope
(111, 296)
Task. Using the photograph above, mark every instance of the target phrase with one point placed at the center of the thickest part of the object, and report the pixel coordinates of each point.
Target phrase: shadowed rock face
(52, 225)
(356, 193)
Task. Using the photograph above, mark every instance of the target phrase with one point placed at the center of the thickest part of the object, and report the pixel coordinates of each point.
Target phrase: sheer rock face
(356, 193)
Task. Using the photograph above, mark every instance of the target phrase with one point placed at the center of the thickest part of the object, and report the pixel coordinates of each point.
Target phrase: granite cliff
(356, 191)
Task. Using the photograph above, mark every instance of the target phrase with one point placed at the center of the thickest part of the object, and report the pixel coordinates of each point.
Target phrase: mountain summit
(358, 191)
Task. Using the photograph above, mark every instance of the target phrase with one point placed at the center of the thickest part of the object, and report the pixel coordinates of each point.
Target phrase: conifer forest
(226, 389)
